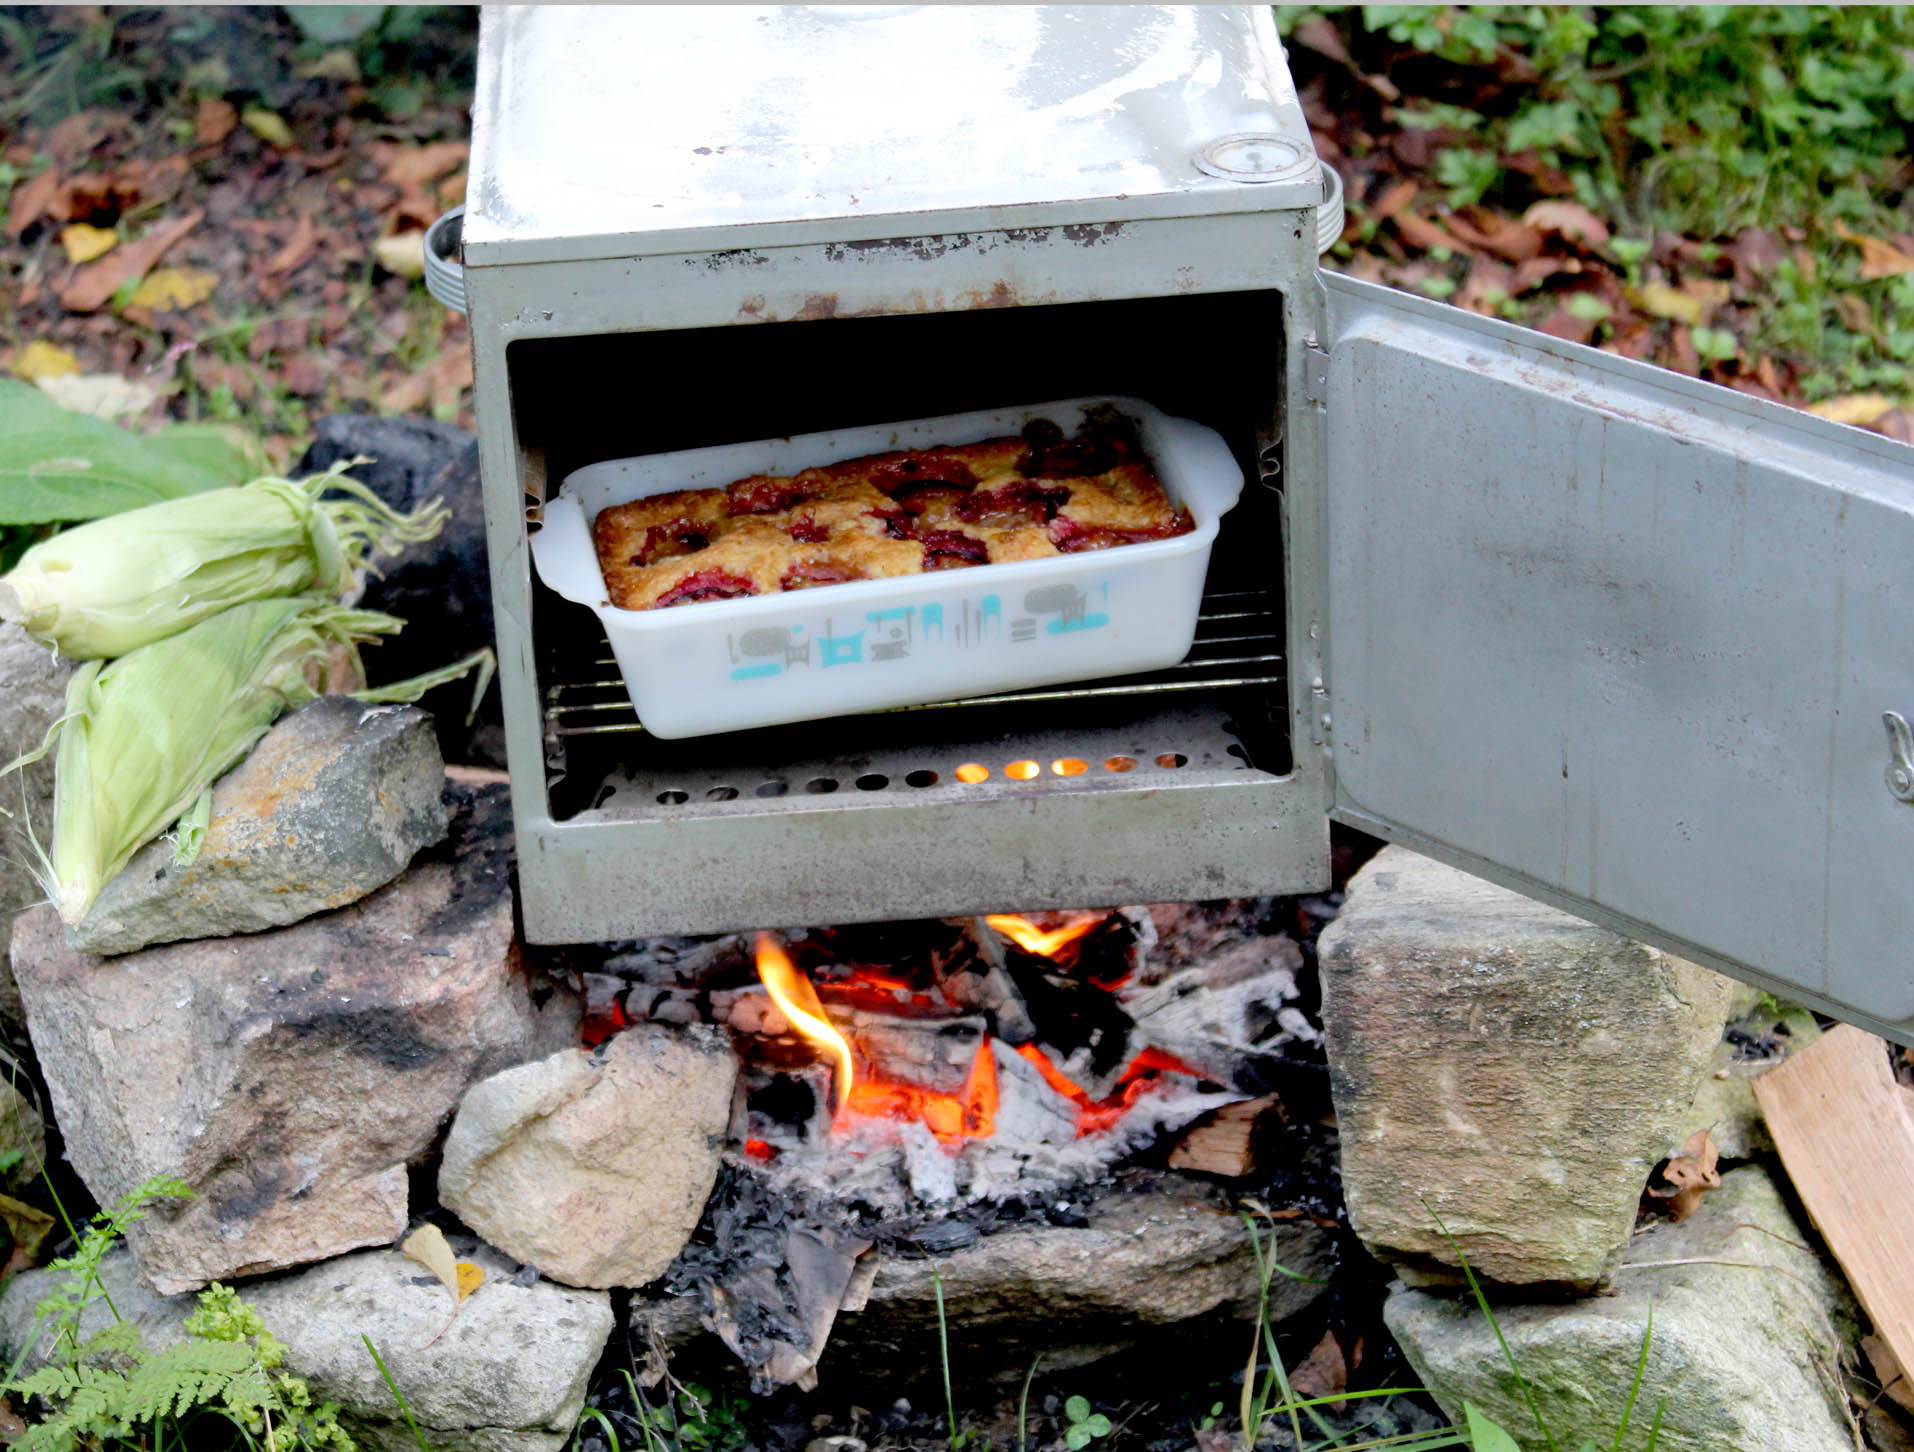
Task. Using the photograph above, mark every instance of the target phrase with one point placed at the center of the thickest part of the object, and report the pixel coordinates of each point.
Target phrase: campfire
(970, 1059)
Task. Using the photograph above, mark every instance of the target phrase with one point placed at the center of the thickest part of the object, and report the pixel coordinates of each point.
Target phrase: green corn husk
(108, 587)
(145, 736)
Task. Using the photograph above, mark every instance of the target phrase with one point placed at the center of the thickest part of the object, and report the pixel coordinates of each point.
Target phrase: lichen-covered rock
(594, 1166)
(1504, 1068)
(287, 1077)
(1749, 1332)
(330, 805)
(32, 697)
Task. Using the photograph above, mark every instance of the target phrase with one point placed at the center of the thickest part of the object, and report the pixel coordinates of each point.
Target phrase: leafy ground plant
(223, 1386)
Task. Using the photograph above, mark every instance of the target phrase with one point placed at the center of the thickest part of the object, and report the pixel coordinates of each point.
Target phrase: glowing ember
(1094, 1115)
(1045, 943)
(951, 1117)
(792, 992)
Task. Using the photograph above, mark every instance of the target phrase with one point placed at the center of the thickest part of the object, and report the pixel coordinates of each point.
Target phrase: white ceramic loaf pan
(724, 665)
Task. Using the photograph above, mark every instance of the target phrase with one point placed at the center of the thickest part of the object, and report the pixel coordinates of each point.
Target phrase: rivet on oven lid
(1252, 156)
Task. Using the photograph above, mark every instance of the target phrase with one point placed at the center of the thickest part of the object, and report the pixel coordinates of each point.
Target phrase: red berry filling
(762, 495)
(808, 573)
(950, 549)
(669, 541)
(1014, 504)
(807, 530)
(905, 477)
(703, 585)
(1072, 538)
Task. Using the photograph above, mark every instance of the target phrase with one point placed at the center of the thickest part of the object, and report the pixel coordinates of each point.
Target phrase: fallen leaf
(1319, 33)
(1688, 1176)
(93, 285)
(335, 65)
(84, 243)
(31, 200)
(175, 288)
(1667, 302)
(1854, 313)
(402, 253)
(1878, 259)
(1422, 233)
(99, 395)
(1887, 1370)
(213, 121)
(269, 126)
(1322, 1373)
(299, 246)
(30, 1227)
(1859, 409)
(73, 138)
(1494, 232)
(1570, 220)
(415, 166)
(41, 359)
(471, 1277)
(427, 1246)
(1395, 196)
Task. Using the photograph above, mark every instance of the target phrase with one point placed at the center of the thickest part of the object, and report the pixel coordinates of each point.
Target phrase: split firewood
(1229, 1141)
(1846, 1136)
(1681, 1183)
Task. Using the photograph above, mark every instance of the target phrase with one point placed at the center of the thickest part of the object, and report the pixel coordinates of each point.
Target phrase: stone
(507, 1375)
(595, 1167)
(1505, 1068)
(1152, 1266)
(441, 586)
(32, 698)
(330, 805)
(1749, 1333)
(288, 1077)
(23, 1131)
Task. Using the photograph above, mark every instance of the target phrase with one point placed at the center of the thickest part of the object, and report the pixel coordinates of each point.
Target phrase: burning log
(925, 1053)
(974, 975)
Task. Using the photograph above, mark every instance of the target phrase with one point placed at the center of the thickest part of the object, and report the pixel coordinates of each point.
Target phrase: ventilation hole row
(970, 773)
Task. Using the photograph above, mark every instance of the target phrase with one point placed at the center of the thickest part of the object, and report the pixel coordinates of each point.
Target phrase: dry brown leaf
(175, 288)
(94, 285)
(1569, 220)
(269, 126)
(1422, 233)
(41, 359)
(1689, 1176)
(1395, 196)
(1668, 302)
(299, 246)
(1859, 409)
(213, 121)
(31, 199)
(1319, 33)
(471, 1277)
(84, 243)
(427, 1246)
(1322, 1373)
(1887, 1370)
(1878, 258)
(1494, 232)
(416, 166)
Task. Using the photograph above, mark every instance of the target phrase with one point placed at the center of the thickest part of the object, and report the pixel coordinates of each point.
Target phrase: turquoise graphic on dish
(933, 615)
(772, 647)
(837, 650)
(1069, 604)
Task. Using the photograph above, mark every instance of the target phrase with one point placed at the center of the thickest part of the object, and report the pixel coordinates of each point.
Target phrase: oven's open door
(1626, 642)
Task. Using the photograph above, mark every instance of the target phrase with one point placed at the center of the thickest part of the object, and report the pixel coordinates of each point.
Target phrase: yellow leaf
(471, 1277)
(427, 1246)
(84, 243)
(1668, 302)
(402, 253)
(41, 359)
(1860, 409)
(269, 126)
(175, 287)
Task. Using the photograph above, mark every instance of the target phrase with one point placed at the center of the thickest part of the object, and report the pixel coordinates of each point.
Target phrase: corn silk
(106, 588)
(144, 737)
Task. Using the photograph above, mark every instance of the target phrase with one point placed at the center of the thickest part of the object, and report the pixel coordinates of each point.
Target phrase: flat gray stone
(330, 805)
(1747, 1340)
(508, 1375)
(595, 1167)
(288, 1077)
(32, 698)
(1504, 1067)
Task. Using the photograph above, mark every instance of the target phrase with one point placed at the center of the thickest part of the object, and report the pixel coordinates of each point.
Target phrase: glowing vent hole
(921, 779)
(1170, 760)
(1120, 763)
(1022, 770)
(1069, 766)
(970, 773)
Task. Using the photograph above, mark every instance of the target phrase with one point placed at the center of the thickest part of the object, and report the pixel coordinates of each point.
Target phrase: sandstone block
(594, 1167)
(1749, 1330)
(287, 1077)
(1505, 1067)
(331, 805)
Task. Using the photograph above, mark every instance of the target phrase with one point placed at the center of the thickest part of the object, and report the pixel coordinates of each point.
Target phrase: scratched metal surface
(621, 131)
(1626, 639)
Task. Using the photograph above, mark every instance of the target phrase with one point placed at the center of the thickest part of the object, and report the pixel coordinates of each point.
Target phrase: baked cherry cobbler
(890, 514)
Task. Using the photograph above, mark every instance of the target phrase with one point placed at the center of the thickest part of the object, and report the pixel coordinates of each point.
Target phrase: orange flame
(952, 1118)
(1045, 943)
(1095, 1115)
(792, 992)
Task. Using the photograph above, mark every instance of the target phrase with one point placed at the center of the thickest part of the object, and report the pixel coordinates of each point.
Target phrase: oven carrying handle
(563, 551)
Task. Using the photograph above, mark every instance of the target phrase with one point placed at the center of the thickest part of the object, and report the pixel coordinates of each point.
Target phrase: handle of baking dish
(563, 553)
(1210, 478)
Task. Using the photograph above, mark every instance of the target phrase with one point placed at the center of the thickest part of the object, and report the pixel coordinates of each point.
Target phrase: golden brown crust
(884, 515)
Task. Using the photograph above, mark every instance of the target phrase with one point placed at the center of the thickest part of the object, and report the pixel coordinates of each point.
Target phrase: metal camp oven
(1618, 639)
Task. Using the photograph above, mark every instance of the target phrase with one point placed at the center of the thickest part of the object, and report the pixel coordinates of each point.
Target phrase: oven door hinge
(1315, 374)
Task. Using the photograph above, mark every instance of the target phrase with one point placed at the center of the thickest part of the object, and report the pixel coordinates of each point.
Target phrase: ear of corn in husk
(145, 736)
(108, 587)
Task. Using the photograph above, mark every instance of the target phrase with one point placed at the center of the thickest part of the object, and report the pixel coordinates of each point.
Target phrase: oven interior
(1221, 716)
